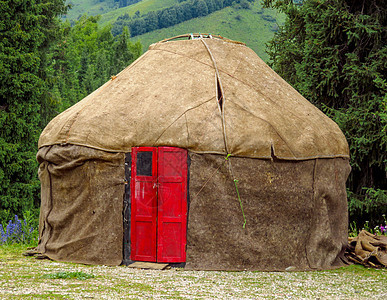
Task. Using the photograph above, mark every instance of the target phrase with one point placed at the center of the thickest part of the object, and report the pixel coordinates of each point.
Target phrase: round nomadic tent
(197, 154)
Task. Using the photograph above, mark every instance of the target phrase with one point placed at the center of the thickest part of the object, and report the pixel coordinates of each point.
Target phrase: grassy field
(28, 278)
(110, 14)
(250, 26)
(255, 26)
(143, 7)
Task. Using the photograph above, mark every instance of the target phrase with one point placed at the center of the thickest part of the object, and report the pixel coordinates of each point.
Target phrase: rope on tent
(235, 184)
(208, 179)
(195, 36)
(221, 102)
(236, 188)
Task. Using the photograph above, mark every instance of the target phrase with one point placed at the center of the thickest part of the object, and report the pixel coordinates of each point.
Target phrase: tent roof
(207, 95)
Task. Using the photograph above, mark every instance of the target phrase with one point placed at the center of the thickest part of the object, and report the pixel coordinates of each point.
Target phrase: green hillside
(253, 26)
(110, 11)
(143, 7)
(91, 7)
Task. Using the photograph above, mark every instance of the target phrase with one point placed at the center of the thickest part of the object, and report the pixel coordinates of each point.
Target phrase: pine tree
(124, 52)
(27, 27)
(201, 8)
(86, 57)
(334, 53)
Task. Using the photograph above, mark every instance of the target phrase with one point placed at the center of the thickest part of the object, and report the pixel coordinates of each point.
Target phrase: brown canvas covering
(290, 160)
(368, 249)
(296, 211)
(294, 218)
(171, 93)
(81, 204)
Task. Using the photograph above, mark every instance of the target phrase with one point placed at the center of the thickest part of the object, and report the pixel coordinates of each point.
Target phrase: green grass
(247, 26)
(68, 275)
(91, 7)
(356, 270)
(143, 7)
(28, 278)
(110, 14)
(12, 251)
(250, 26)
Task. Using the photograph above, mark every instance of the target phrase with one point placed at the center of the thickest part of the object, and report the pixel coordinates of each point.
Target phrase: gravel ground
(23, 277)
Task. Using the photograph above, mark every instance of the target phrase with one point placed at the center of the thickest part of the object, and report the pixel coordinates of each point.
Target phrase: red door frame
(158, 233)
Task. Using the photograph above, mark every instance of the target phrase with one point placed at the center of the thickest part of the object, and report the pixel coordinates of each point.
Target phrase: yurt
(197, 155)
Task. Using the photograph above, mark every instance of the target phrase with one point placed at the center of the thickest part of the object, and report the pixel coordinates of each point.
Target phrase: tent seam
(232, 76)
(49, 226)
(269, 125)
(239, 80)
(258, 91)
(174, 121)
(186, 125)
(220, 70)
(186, 56)
(343, 156)
(221, 105)
(314, 203)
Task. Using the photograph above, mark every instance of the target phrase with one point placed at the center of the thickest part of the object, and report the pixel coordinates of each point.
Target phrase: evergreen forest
(332, 51)
(46, 65)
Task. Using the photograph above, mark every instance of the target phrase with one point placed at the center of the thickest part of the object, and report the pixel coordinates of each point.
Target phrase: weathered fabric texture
(296, 214)
(296, 211)
(368, 249)
(172, 93)
(81, 204)
(216, 99)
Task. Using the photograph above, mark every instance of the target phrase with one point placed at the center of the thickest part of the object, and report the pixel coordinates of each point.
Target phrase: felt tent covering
(171, 93)
(214, 98)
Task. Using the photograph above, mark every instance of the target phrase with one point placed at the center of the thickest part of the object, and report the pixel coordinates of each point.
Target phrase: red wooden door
(172, 204)
(143, 229)
(159, 204)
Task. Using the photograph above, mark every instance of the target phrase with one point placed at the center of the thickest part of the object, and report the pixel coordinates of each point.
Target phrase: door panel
(144, 204)
(170, 246)
(172, 204)
(159, 204)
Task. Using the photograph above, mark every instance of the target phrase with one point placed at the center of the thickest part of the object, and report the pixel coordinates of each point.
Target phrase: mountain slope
(109, 10)
(254, 27)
